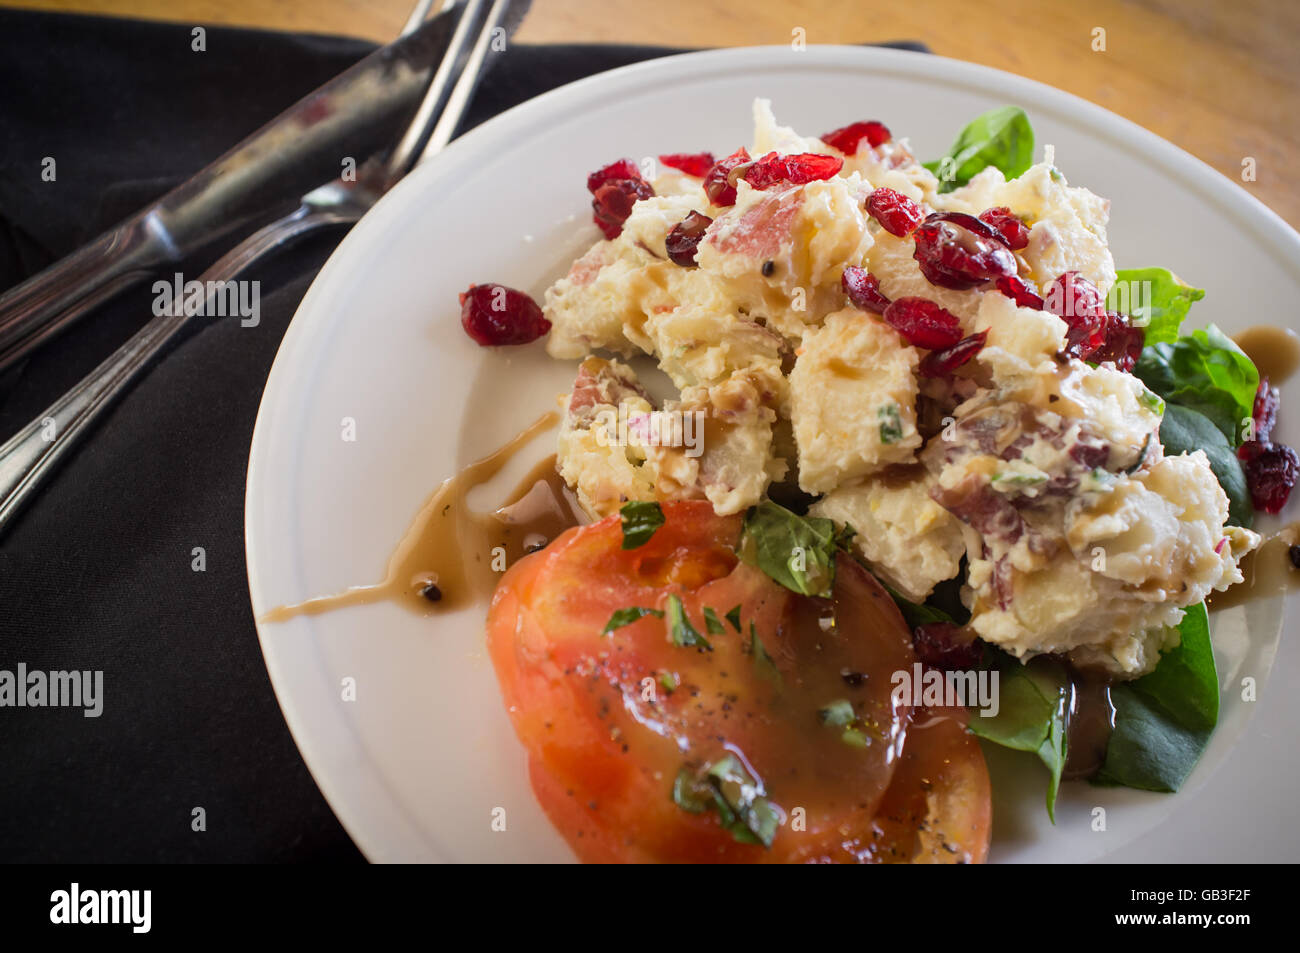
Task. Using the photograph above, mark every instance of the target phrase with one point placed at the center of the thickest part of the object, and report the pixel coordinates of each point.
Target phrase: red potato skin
(605, 741)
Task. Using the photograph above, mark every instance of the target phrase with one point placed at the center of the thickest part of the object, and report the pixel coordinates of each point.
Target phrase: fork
(29, 457)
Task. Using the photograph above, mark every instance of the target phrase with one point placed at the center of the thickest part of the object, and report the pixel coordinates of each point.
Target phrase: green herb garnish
(796, 551)
(680, 629)
(641, 518)
(739, 798)
(891, 424)
(762, 661)
(837, 714)
(627, 616)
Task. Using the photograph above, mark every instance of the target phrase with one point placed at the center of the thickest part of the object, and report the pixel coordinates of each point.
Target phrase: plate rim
(1192, 172)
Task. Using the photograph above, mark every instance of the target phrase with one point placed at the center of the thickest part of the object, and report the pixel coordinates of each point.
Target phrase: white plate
(417, 766)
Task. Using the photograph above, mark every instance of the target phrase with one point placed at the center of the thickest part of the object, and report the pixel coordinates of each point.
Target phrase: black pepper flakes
(769, 268)
(1294, 553)
(431, 592)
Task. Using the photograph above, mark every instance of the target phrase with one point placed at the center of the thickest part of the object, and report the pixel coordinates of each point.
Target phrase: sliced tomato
(622, 728)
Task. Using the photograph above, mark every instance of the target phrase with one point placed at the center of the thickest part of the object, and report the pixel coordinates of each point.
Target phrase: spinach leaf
(640, 520)
(1001, 137)
(1164, 720)
(1033, 705)
(915, 613)
(796, 551)
(680, 629)
(1183, 430)
(1207, 372)
(1155, 299)
(627, 616)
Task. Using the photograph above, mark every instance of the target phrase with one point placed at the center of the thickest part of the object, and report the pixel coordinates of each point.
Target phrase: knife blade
(359, 112)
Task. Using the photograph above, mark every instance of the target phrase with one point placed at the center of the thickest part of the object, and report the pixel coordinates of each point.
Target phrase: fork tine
(460, 97)
(407, 152)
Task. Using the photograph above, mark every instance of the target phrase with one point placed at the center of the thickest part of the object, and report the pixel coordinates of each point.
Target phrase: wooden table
(1221, 80)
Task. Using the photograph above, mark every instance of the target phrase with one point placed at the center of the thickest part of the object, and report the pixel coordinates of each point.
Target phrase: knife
(357, 113)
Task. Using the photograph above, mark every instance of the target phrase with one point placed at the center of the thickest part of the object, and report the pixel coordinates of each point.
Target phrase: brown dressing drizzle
(1268, 571)
(1275, 351)
(1089, 725)
(455, 548)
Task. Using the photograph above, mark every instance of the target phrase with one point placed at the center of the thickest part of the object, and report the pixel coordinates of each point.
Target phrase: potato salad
(936, 368)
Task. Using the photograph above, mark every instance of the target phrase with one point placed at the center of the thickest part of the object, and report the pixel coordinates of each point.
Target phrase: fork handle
(29, 457)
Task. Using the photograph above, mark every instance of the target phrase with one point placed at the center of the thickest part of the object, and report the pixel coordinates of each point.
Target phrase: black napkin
(98, 574)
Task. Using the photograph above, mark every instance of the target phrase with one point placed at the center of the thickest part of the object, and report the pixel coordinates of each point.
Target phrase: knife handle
(46, 303)
(29, 457)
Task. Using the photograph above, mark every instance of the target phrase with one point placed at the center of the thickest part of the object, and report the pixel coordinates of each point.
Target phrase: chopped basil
(858, 739)
(837, 714)
(733, 616)
(737, 796)
(796, 551)
(712, 623)
(762, 661)
(689, 794)
(1152, 401)
(680, 629)
(844, 537)
(668, 681)
(622, 617)
(1022, 480)
(640, 520)
(891, 424)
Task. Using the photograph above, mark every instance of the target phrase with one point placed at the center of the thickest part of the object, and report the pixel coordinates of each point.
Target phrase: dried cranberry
(774, 169)
(1078, 302)
(863, 289)
(942, 363)
(848, 138)
(923, 323)
(946, 645)
(1019, 291)
(1011, 230)
(896, 213)
(718, 183)
(1271, 471)
(683, 241)
(1265, 413)
(692, 163)
(958, 251)
(1122, 344)
(613, 203)
(618, 169)
(494, 314)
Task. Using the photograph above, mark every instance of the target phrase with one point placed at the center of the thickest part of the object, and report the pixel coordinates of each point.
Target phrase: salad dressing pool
(451, 556)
